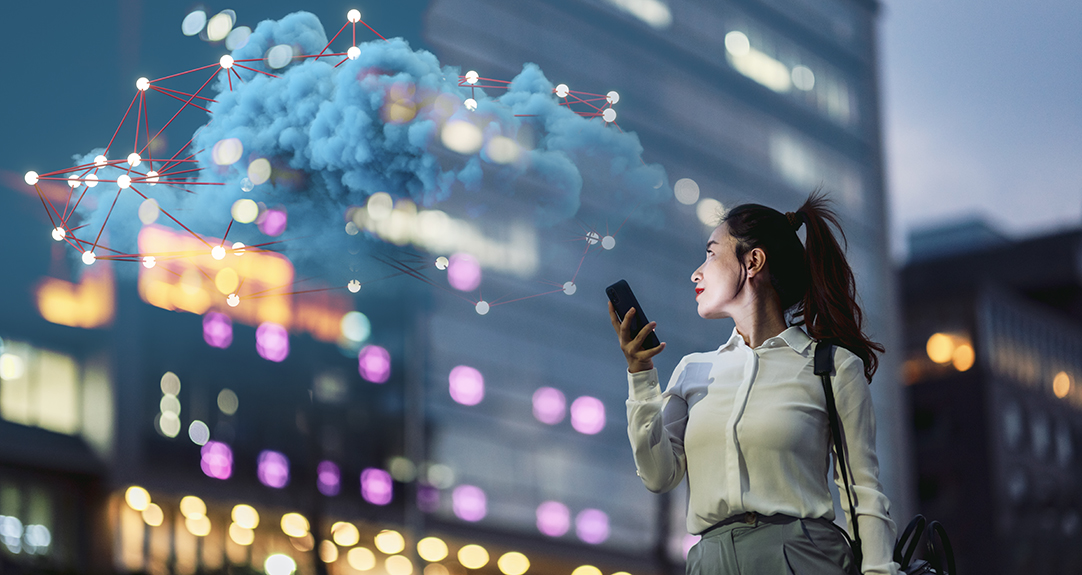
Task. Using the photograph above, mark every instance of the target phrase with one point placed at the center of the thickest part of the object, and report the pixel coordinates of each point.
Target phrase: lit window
(40, 388)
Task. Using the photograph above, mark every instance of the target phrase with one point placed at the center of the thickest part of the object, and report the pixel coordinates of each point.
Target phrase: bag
(940, 556)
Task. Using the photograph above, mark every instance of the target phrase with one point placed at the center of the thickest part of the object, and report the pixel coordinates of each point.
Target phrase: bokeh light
(549, 405)
(295, 525)
(940, 348)
(272, 341)
(148, 211)
(462, 137)
(245, 515)
(273, 469)
(237, 38)
(137, 498)
(592, 526)
(228, 151)
(219, 26)
(588, 415)
(198, 526)
(280, 56)
(963, 357)
(259, 171)
(193, 23)
(273, 222)
(686, 191)
(374, 364)
(192, 506)
(279, 564)
(217, 330)
(398, 565)
(241, 535)
(464, 272)
(1061, 384)
(228, 402)
(361, 558)
(153, 515)
(345, 533)
(553, 518)
(469, 503)
(356, 327)
(377, 487)
(226, 280)
(198, 432)
(467, 385)
(586, 570)
(244, 211)
(389, 542)
(328, 478)
(328, 552)
(216, 460)
(473, 556)
(432, 549)
(513, 563)
(709, 211)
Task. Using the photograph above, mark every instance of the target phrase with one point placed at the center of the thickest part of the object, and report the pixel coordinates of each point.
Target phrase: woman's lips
(698, 291)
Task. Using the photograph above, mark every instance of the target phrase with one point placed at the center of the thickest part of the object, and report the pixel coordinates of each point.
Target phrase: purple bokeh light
(328, 478)
(588, 415)
(217, 330)
(374, 364)
(553, 518)
(469, 503)
(549, 405)
(216, 460)
(592, 526)
(376, 486)
(463, 272)
(272, 341)
(273, 222)
(467, 385)
(273, 469)
(428, 498)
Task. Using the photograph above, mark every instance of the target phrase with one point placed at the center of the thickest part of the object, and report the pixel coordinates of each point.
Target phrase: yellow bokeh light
(390, 541)
(241, 535)
(226, 280)
(193, 507)
(153, 515)
(432, 549)
(940, 348)
(586, 570)
(345, 534)
(11, 366)
(136, 497)
(245, 211)
(227, 152)
(1061, 384)
(379, 206)
(303, 544)
(436, 569)
(361, 558)
(621, 573)
(148, 211)
(399, 565)
(294, 525)
(259, 171)
(963, 357)
(246, 516)
(198, 526)
(328, 552)
(219, 27)
(513, 563)
(473, 556)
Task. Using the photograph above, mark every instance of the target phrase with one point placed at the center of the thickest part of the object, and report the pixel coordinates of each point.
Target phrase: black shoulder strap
(824, 364)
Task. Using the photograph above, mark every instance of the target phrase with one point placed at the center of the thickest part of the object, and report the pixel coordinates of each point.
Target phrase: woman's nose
(697, 275)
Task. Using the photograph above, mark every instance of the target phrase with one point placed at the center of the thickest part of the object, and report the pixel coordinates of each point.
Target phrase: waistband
(752, 519)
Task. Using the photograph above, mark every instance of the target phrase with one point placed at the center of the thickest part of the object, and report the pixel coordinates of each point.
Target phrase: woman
(747, 422)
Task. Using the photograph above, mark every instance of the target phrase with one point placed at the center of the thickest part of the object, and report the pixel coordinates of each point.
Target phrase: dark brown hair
(814, 283)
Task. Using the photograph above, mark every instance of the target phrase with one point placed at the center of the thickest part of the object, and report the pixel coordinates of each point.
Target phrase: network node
(472, 77)
(570, 288)
(149, 262)
(246, 185)
(353, 53)
(91, 180)
(152, 177)
(100, 160)
(142, 84)
(562, 90)
(354, 286)
(353, 16)
(592, 238)
(31, 178)
(233, 300)
(612, 97)
(124, 181)
(217, 252)
(134, 159)
(608, 242)
(482, 307)
(89, 257)
(59, 234)
(238, 249)
(609, 115)
(471, 104)
(73, 181)
(226, 61)
(442, 263)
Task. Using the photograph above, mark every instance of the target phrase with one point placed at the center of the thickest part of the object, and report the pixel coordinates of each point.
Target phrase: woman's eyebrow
(710, 243)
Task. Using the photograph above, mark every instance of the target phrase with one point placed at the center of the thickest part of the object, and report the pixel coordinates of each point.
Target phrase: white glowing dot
(471, 77)
(562, 90)
(353, 16)
(238, 38)
(100, 160)
(592, 238)
(612, 97)
(482, 307)
(73, 181)
(353, 53)
(686, 191)
(238, 249)
(134, 159)
(152, 178)
(233, 300)
(736, 42)
(570, 288)
(31, 178)
(193, 23)
(471, 104)
(352, 229)
(124, 181)
(462, 137)
(280, 56)
(59, 234)
(246, 185)
(217, 252)
(91, 180)
(709, 211)
(220, 26)
(149, 211)
(143, 84)
(502, 150)
(442, 262)
(226, 61)
(803, 78)
(89, 257)
(379, 206)
(354, 286)
(148, 262)
(609, 114)
(608, 242)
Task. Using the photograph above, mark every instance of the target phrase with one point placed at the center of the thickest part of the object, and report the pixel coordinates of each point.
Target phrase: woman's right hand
(638, 359)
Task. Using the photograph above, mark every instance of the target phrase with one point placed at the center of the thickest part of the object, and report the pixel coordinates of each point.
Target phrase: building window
(40, 388)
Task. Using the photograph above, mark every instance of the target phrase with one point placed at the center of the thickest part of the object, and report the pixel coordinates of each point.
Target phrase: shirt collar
(794, 337)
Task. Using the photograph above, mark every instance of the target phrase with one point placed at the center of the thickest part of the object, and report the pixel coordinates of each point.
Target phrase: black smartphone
(623, 299)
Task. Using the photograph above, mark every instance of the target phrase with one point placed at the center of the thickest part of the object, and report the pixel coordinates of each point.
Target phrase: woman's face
(717, 281)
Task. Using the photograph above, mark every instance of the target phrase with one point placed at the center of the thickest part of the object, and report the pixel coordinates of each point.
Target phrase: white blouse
(749, 428)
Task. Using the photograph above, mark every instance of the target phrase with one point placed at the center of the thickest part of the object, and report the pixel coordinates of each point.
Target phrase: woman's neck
(764, 319)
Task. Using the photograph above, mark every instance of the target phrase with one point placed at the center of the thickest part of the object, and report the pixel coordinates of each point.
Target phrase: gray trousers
(787, 547)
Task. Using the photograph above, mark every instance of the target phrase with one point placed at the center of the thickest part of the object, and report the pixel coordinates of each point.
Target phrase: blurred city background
(404, 425)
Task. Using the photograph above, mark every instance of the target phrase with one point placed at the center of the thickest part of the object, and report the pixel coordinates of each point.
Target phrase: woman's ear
(755, 261)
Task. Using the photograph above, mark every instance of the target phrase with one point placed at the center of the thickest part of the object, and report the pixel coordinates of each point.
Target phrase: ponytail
(814, 280)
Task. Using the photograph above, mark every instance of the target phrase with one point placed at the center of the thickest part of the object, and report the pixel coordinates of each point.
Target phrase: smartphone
(623, 299)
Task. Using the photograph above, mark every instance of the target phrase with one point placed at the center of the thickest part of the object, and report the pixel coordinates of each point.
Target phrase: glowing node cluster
(59, 234)
(353, 53)
(226, 62)
(124, 181)
(134, 159)
(354, 286)
(142, 84)
(353, 15)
